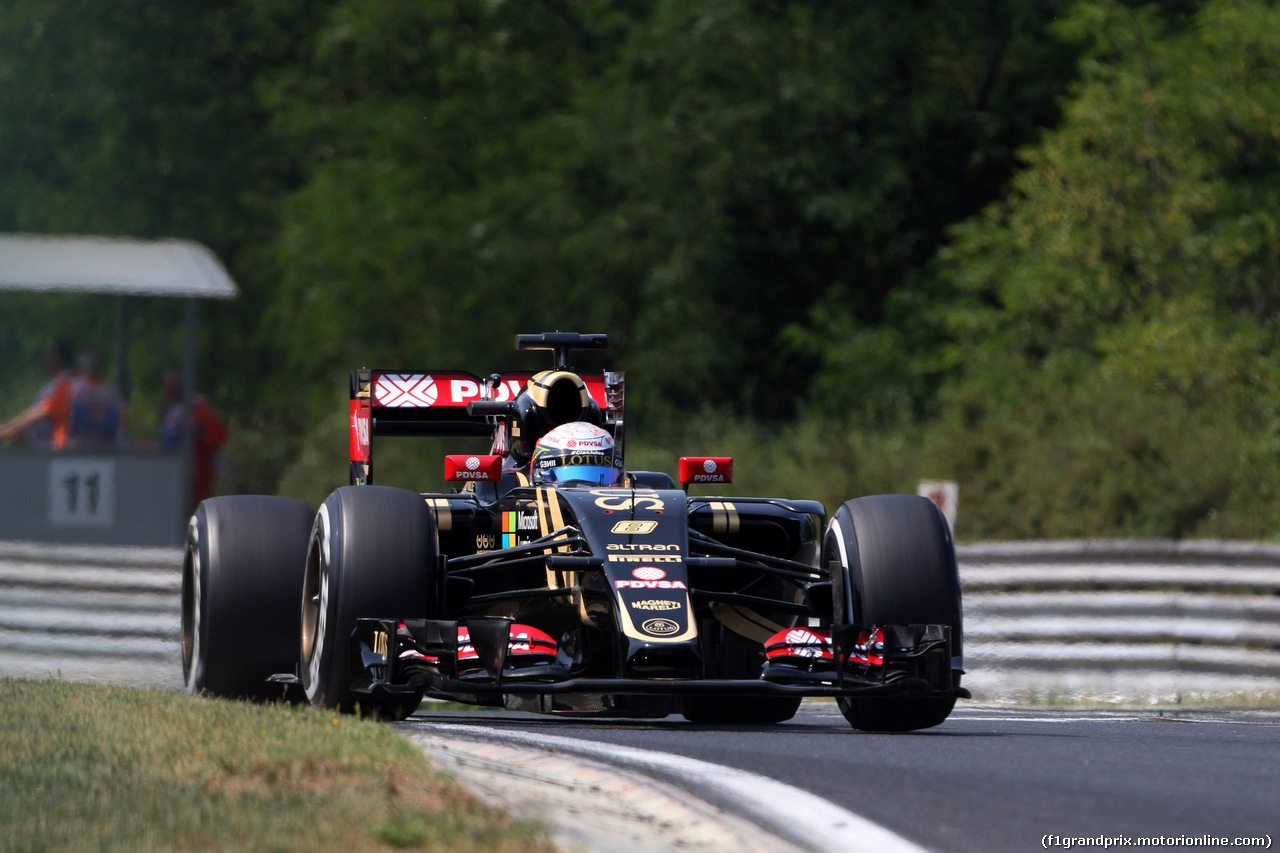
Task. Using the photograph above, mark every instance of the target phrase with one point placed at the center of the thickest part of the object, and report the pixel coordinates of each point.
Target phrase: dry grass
(92, 767)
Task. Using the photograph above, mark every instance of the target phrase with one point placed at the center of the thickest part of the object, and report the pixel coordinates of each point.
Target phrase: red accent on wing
(424, 390)
(523, 640)
(472, 468)
(359, 427)
(806, 643)
(706, 469)
(453, 389)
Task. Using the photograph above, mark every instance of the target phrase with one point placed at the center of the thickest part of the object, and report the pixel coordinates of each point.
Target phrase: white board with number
(82, 492)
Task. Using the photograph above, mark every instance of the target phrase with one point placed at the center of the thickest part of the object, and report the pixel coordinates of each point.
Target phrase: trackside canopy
(146, 504)
(111, 265)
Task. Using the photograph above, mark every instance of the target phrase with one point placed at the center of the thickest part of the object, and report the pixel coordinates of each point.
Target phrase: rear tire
(372, 555)
(241, 573)
(899, 569)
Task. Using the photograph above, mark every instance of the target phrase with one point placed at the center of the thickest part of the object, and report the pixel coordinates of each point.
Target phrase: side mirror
(487, 469)
(705, 469)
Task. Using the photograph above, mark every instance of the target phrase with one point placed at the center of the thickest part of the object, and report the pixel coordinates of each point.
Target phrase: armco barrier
(91, 613)
(1121, 620)
(1111, 619)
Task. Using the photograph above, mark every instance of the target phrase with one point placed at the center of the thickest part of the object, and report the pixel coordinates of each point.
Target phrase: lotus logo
(649, 573)
(709, 465)
(660, 627)
(473, 463)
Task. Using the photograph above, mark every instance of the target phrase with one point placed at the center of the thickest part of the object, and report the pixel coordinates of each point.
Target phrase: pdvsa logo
(649, 577)
(472, 471)
(709, 475)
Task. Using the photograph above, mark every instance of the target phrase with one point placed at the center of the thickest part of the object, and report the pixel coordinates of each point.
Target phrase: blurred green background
(1028, 245)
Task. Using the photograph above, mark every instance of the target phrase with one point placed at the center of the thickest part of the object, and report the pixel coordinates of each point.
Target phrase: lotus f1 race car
(552, 579)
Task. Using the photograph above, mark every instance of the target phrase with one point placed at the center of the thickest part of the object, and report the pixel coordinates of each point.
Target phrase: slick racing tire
(898, 565)
(372, 555)
(241, 572)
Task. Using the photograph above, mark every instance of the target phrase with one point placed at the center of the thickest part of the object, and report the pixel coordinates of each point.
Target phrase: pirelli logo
(724, 517)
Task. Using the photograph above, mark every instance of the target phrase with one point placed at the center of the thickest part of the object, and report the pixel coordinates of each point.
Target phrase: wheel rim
(191, 605)
(312, 607)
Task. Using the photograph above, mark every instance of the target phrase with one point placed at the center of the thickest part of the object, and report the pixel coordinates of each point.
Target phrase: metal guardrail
(91, 613)
(1106, 619)
(1121, 620)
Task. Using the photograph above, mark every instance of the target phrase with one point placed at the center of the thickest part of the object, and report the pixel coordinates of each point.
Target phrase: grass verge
(96, 767)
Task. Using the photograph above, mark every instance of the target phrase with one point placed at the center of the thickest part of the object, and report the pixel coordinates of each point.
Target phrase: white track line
(791, 812)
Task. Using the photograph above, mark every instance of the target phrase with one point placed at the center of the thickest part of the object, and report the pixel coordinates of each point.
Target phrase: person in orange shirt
(210, 434)
(97, 410)
(45, 422)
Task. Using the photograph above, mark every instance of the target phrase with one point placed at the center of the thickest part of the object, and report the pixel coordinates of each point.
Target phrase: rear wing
(430, 403)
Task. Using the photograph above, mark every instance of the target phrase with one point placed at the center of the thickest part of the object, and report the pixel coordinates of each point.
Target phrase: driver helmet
(576, 451)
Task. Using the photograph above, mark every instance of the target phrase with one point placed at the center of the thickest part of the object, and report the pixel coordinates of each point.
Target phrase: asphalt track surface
(988, 779)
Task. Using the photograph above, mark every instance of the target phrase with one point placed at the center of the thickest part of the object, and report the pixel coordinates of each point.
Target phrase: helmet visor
(602, 475)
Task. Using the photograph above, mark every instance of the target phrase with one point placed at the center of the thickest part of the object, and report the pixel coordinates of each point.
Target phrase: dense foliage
(1030, 245)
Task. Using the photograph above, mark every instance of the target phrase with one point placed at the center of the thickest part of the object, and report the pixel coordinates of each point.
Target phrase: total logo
(649, 577)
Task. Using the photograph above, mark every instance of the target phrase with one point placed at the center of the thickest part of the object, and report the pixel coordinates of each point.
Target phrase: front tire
(372, 555)
(241, 572)
(899, 568)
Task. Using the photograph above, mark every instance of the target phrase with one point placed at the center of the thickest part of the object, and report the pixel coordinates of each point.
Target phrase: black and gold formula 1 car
(532, 586)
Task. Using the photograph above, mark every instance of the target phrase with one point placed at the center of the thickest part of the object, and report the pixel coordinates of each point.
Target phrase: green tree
(1126, 286)
(692, 178)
